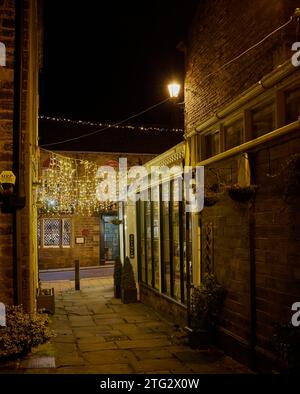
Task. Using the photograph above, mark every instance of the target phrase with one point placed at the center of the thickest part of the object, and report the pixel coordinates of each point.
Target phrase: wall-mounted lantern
(174, 89)
(9, 201)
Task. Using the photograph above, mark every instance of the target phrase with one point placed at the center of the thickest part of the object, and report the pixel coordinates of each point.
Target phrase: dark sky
(106, 60)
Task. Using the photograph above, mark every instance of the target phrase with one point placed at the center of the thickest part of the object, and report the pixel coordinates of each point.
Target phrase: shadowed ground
(96, 333)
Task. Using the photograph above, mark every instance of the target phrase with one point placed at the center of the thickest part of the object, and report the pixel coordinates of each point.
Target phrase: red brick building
(255, 246)
(20, 38)
(242, 106)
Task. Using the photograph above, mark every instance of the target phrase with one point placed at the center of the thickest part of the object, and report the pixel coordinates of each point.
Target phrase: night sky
(106, 60)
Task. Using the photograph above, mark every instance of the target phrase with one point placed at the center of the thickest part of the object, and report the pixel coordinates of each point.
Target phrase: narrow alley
(96, 333)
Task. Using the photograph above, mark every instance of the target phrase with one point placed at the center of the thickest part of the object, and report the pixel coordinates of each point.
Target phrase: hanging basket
(210, 200)
(116, 222)
(242, 194)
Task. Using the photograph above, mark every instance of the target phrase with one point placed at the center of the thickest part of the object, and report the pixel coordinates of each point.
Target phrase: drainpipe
(16, 138)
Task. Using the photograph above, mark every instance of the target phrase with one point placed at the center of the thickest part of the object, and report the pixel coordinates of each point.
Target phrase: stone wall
(6, 145)
(18, 152)
(221, 30)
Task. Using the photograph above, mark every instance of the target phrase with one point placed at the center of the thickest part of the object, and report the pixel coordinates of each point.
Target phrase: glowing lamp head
(174, 89)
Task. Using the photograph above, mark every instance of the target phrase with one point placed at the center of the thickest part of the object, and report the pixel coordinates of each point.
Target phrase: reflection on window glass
(292, 105)
(212, 144)
(233, 134)
(66, 238)
(263, 120)
(143, 254)
(166, 247)
(52, 234)
(176, 246)
(155, 224)
(39, 232)
(148, 238)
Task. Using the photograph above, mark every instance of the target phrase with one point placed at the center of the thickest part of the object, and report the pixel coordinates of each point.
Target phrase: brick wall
(6, 141)
(88, 253)
(222, 29)
(275, 240)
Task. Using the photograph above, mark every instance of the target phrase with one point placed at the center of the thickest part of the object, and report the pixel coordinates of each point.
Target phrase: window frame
(42, 245)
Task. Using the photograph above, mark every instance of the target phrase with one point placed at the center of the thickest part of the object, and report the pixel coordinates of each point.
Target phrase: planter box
(129, 296)
(199, 338)
(45, 300)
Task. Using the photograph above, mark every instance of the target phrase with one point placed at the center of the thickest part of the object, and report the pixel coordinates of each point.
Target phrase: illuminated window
(55, 233)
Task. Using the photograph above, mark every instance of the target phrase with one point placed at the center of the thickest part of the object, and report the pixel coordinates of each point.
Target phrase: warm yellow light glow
(174, 89)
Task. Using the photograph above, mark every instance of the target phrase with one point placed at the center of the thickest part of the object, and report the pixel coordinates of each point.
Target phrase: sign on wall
(2, 315)
(131, 246)
(2, 54)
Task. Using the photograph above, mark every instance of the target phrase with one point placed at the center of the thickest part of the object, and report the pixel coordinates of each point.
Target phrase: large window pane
(176, 246)
(155, 207)
(66, 226)
(263, 120)
(149, 243)
(233, 134)
(212, 144)
(143, 249)
(292, 105)
(52, 234)
(166, 247)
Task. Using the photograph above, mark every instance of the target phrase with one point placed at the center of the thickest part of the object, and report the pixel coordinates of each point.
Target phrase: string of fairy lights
(68, 186)
(109, 125)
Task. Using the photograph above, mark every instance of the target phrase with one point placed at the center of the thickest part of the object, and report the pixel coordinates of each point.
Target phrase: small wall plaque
(79, 240)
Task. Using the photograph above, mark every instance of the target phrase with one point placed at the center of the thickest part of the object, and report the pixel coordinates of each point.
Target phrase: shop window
(212, 144)
(155, 229)
(176, 247)
(55, 233)
(292, 102)
(166, 266)
(148, 240)
(233, 134)
(143, 243)
(263, 120)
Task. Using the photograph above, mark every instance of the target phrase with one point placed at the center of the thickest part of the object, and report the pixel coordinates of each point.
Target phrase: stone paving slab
(97, 334)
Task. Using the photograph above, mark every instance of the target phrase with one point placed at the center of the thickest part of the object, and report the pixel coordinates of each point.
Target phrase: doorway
(111, 238)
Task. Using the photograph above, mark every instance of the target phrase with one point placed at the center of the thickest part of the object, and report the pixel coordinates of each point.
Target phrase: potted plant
(116, 221)
(118, 267)
(206, 306)
(212, 195)
(242, 193)
(128, 286)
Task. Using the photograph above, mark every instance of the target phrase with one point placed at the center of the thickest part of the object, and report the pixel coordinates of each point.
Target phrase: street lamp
(174, 89)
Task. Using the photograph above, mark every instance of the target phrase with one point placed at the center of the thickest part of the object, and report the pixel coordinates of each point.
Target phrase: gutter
(267, 82)
(282, 131)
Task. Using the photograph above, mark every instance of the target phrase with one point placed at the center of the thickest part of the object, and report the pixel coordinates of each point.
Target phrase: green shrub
(207, 303)
(128, 280)
(118, 272)
(22, 332)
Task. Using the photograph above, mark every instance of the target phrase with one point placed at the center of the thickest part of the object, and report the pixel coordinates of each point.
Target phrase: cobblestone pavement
(96, 333)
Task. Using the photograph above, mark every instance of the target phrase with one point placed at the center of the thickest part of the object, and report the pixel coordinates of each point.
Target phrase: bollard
(77, 275)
